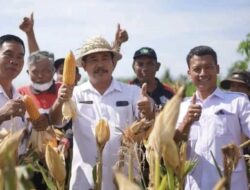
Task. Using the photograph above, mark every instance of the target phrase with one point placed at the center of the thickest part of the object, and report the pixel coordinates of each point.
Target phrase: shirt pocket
(226, 123)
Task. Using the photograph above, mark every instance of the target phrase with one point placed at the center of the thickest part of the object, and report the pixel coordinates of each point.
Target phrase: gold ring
(195, 114)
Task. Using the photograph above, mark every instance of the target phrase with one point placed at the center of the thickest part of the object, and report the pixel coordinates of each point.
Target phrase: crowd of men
(208, 120)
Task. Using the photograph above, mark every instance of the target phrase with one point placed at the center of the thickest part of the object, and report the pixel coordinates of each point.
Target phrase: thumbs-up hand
(27, 24)
(194, 111)
(145, 104)
(121, 35)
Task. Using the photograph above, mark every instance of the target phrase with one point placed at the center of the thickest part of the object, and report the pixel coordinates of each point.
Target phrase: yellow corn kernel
(69, 69)
(31, 107)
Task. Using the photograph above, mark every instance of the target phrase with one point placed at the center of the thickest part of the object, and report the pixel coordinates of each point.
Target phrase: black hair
(201, 51)
(10, 37)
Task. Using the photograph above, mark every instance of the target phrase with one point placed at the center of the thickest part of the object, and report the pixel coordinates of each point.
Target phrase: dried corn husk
(138, 131)
(39, 140)
(170, 155)
(124, 183)
(3, 134)
(10, 146)
(55, 164)
(165, 123)
(69, 110)
(1, 180)
(220, 185)
(102, 133)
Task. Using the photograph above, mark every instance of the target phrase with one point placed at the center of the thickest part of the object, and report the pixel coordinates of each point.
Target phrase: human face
(99, 67)
(203, 73)
(239, 87)
(59, 73)
(145, 69)
(11, 60)
(41, 71)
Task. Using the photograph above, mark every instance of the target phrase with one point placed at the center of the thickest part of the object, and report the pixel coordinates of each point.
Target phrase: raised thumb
(193, 100)
(144, 89)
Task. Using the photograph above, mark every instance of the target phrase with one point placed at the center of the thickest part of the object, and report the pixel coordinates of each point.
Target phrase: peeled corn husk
(10, 146)
(69, 110)
(55, 164)
(138, 131)
(124, 183)
(170, 155)
(39, 140)
(165, 123)
(102, 133)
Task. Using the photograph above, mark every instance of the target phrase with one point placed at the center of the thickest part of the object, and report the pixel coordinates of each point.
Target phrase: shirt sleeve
(244, 115)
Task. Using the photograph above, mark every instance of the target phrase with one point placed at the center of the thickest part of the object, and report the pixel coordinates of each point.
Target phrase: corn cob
(69, 69)
(102, 133)
(31, 108)
(55, 164)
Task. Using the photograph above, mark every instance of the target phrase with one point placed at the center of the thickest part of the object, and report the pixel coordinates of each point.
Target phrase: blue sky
(171, 27)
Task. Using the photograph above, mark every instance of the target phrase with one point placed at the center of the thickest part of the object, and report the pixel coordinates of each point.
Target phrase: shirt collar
(217, 93)
(114, 86)
(14, 91)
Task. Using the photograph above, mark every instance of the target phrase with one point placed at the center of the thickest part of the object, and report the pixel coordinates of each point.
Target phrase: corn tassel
(31, 108)
(69, 69)
(55, 164)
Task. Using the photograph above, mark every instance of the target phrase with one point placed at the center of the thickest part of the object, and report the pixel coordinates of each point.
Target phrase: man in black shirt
(145, 66)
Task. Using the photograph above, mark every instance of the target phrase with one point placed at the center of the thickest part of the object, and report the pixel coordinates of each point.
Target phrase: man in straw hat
(100, 97)
(237, 82)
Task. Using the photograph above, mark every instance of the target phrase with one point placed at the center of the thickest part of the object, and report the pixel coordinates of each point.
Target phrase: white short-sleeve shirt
(225, 117)
(15, 123)
(118, 105)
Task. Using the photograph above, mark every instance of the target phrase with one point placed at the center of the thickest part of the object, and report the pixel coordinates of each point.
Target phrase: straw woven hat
(95, 45)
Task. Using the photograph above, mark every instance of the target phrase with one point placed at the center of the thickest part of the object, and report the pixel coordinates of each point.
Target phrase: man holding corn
(101, 97)
(210, 120)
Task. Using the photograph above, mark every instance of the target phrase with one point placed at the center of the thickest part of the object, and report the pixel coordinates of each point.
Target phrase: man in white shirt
(12, 108)
(100, 97)
(209, 120)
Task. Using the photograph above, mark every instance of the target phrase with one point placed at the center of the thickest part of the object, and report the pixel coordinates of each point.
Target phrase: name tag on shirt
(122, 103)
(86, 102)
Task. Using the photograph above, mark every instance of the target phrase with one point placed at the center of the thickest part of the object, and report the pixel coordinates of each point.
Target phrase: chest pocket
(226, 123)
(86, 110)
(123, 113)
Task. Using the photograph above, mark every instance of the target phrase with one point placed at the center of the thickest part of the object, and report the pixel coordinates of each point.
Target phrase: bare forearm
(182, 132)
(32, 43)
(56, 113)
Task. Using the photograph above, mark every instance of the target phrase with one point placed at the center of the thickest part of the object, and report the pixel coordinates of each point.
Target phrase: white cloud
(171, 27)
